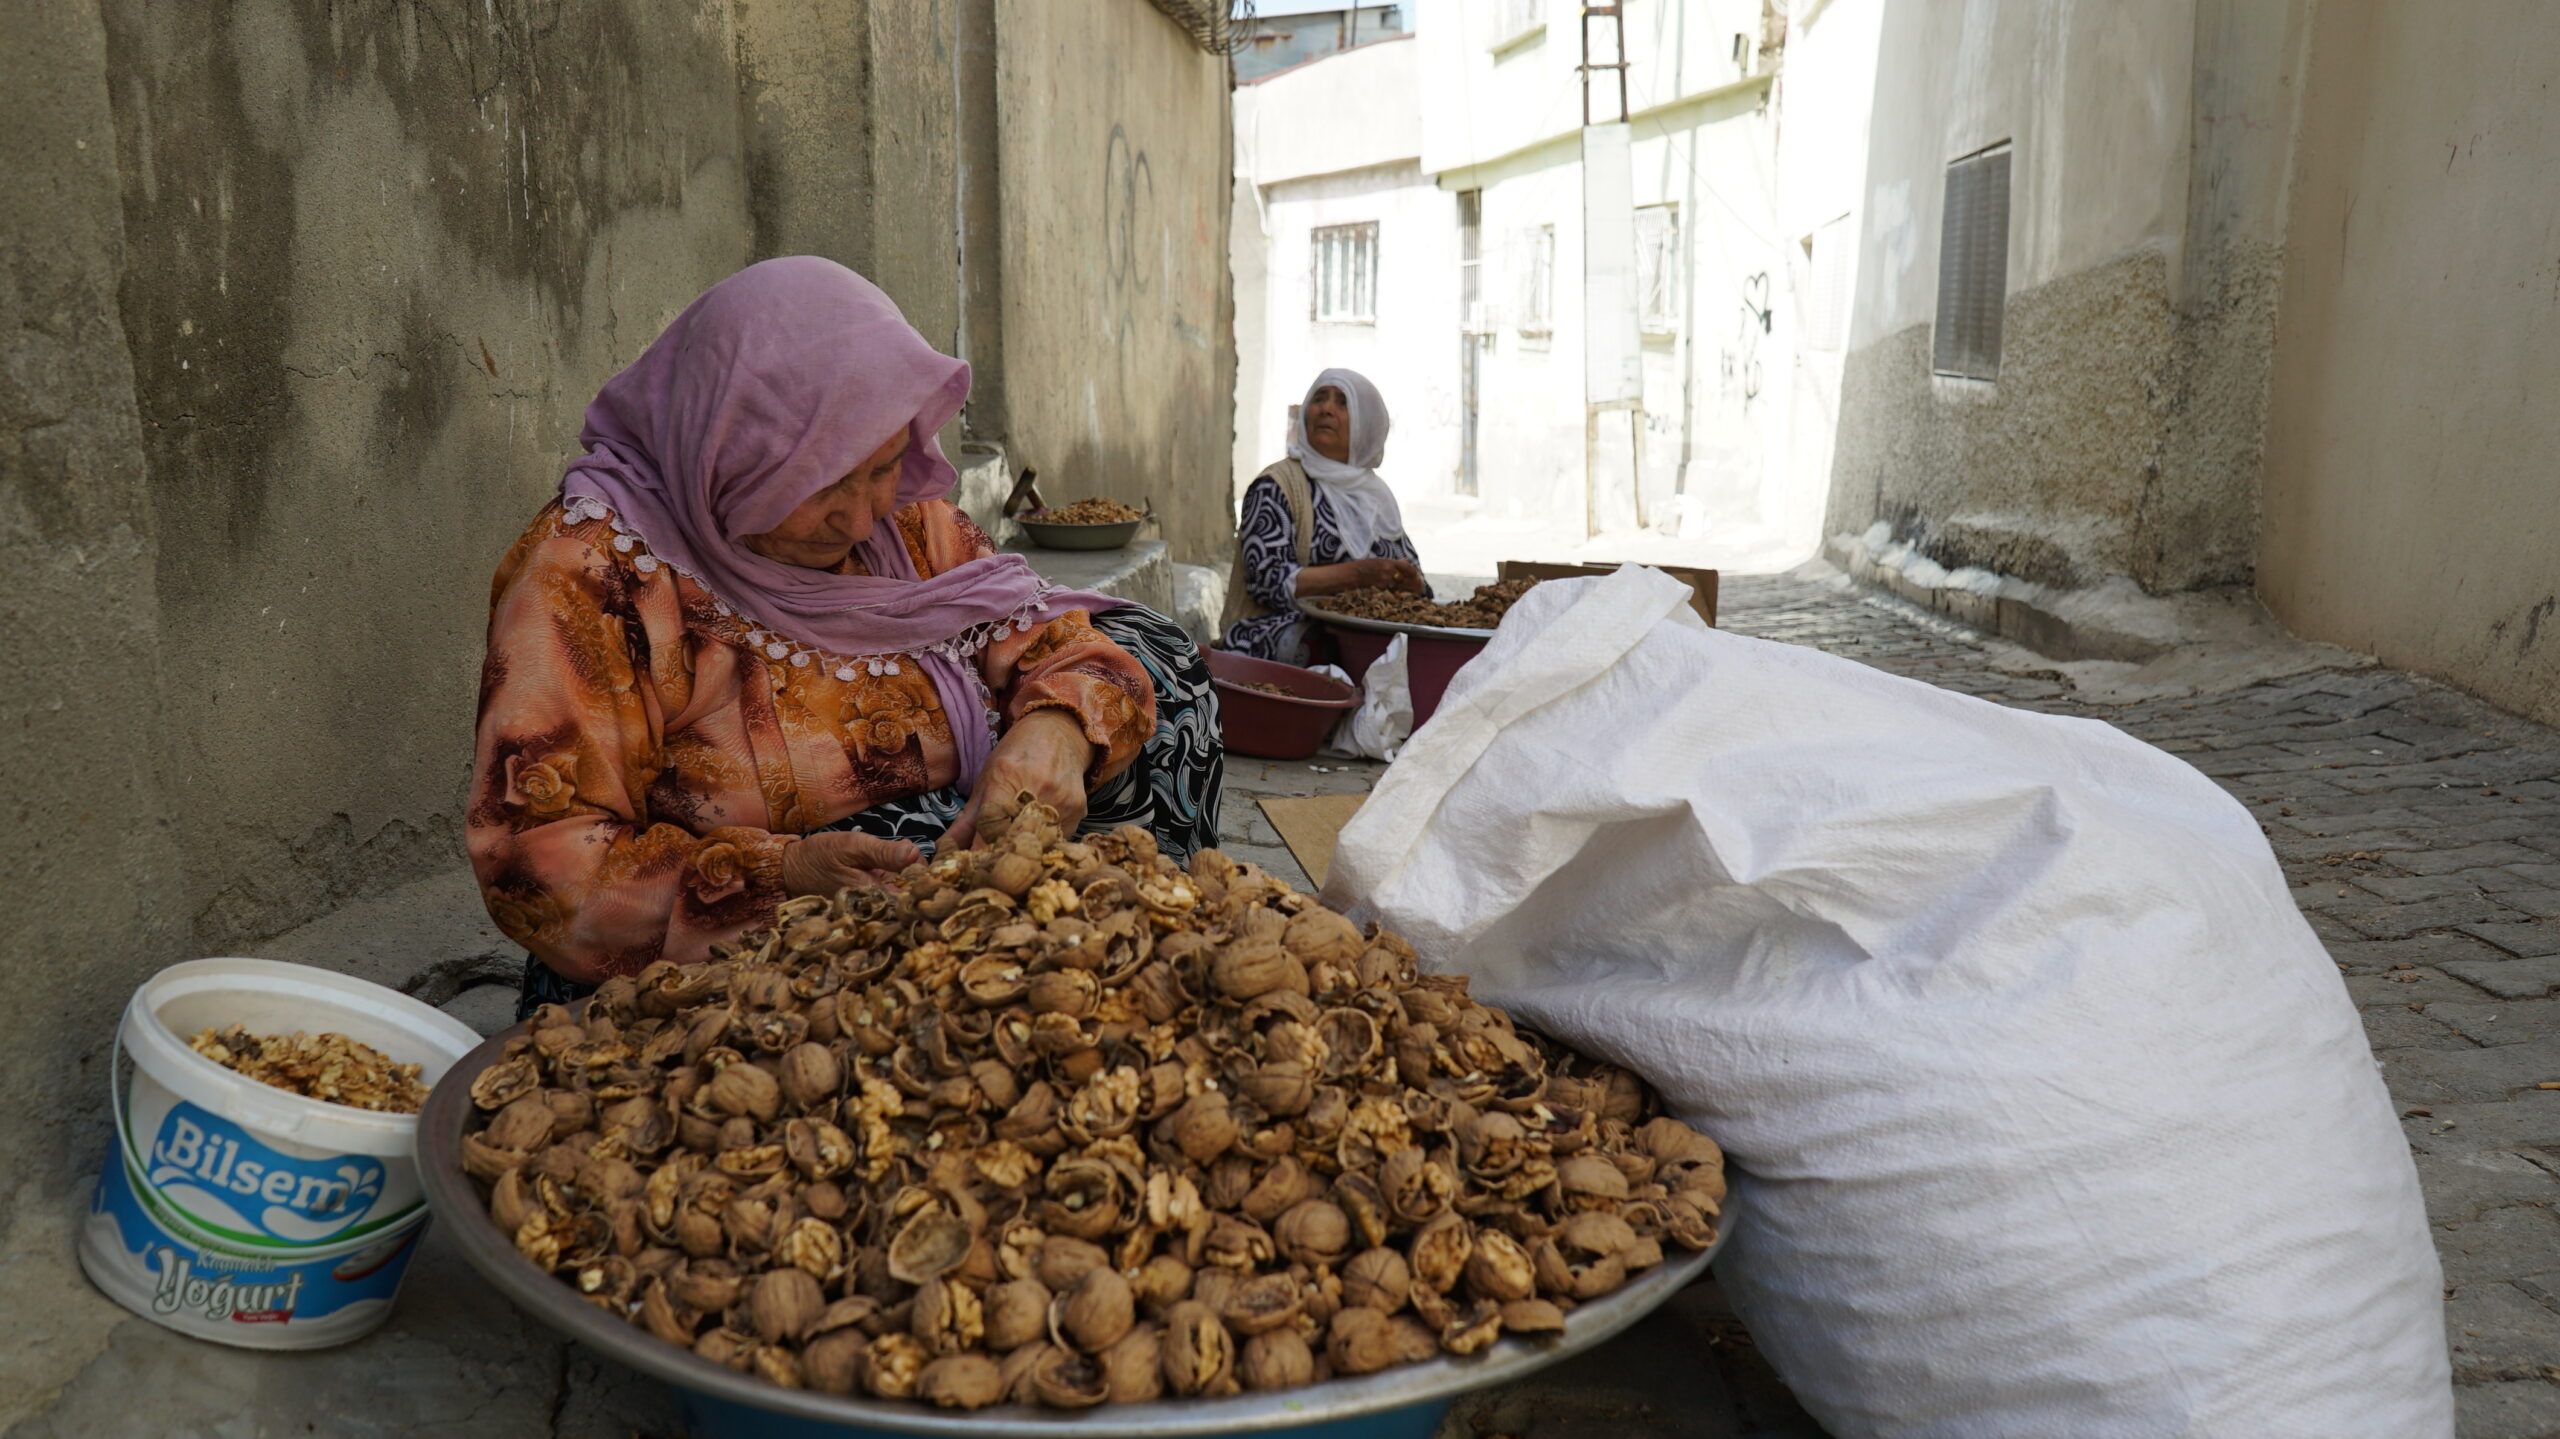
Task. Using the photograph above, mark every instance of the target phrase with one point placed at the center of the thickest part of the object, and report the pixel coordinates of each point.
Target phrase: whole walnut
(1134, 1365)
(1312, 1232)
(1017, 1312)
(833, 1362)
(1064, 1259)
(784, 1303)
(1376, 1279)
(1360, 1340)
(1278, 1359)
(1248, 969)
(1092, 1316)
(960, 1381)
(810, 1075)
(741, 1090)
(1202, 1128)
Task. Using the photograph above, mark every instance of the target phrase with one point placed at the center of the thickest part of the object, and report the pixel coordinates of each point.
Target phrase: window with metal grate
(1346, 273)
(1973, 266)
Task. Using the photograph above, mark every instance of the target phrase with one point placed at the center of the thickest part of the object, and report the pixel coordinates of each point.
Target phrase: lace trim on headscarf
(960, 649)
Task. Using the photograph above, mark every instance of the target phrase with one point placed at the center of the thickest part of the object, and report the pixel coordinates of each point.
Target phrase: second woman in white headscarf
(1319, 522)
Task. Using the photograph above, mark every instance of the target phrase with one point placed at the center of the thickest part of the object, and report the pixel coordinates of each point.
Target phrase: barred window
(1536, 256)
(1973, 266)
(1346, 278)
(1658, 267)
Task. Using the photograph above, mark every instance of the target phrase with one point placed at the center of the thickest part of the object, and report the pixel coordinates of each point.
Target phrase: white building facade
(1346, 255)
(1688, 214)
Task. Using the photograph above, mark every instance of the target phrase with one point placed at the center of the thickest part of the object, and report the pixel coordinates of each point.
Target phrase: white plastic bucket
(238, 1212)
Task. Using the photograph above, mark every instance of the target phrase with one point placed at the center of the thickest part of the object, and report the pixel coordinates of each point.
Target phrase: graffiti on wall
(1739, 363)
(1128, 212)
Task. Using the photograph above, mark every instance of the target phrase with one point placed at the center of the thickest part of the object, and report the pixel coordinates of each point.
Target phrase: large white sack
(2050, 1116)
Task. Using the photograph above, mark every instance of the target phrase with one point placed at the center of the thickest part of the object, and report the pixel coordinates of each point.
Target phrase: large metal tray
(1314, 611)
(457, 1203)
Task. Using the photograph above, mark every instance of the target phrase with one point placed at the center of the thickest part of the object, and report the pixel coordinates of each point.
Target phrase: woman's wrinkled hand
(1374, 573)
(1403, 576)
(825, 863)
(1045, 755)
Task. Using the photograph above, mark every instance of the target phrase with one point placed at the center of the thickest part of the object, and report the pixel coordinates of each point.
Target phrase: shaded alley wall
(2411, 509)
(1119, 328)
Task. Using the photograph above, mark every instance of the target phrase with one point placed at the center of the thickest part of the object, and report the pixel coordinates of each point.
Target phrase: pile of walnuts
(1064, 1123)
(1482, 610)
(1096, 511)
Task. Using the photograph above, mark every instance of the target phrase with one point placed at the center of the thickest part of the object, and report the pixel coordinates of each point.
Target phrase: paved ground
(2421, 828)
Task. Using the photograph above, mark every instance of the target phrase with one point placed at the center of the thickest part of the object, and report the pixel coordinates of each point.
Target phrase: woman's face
(827, 525)
(1328, 416)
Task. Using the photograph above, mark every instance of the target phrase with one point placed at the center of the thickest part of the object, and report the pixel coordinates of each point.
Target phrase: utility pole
(1612, 346)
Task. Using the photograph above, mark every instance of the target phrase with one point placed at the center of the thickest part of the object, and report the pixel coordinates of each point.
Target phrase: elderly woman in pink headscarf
(751, 651)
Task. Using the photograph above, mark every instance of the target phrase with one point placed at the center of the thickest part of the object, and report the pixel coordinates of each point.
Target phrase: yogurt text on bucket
(220, 1298)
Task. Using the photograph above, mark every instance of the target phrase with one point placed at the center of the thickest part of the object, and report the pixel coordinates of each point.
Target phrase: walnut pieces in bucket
(1060, 1123)
(329, 1067)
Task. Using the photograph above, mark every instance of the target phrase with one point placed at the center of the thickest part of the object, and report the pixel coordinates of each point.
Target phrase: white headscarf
(1364, 509)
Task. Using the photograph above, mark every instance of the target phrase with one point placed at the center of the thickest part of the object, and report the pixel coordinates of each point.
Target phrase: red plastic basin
(1290, 726)
(1429, 661)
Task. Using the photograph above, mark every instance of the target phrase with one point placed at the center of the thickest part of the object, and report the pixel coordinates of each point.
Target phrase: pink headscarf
(769, 388)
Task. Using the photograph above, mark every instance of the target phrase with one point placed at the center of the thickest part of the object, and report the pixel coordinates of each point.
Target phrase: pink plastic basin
(1429, 661)
(1290, 726)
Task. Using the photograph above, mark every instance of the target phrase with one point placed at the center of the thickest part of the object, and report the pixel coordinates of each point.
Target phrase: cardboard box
(1702, 583)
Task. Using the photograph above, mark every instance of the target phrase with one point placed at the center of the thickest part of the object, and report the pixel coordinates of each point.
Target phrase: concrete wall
(2119, 436)
(306, 305)
(1115, 163)
(300, 305)
(100, 884)
(2415, 426)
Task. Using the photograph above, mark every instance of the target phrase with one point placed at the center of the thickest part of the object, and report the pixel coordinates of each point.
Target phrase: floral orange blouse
(641, 762)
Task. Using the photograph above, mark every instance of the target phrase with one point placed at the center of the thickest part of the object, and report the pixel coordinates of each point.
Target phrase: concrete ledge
(1140, 572)
(2060, 625)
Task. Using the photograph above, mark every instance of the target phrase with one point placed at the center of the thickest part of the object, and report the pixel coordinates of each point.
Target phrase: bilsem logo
(216, 1172)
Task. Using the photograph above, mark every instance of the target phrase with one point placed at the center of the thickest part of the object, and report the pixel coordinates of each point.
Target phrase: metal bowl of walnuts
(1058, 1135)
(1405, 1402)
